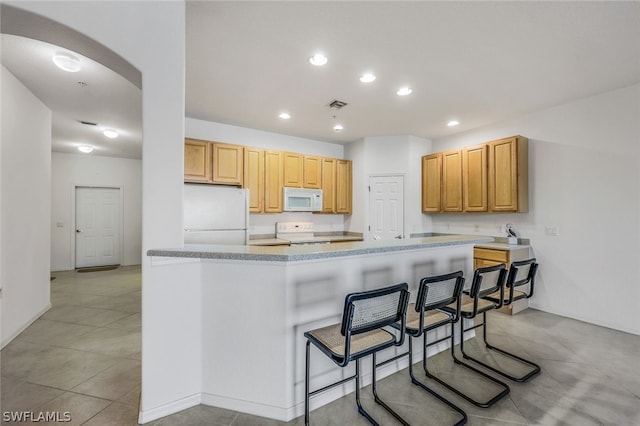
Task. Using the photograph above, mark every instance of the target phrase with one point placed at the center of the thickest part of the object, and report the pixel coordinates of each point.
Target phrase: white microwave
(302, 200)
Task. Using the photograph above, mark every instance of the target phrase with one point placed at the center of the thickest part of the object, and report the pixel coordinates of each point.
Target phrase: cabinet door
(452, 181)
(431, 181)
(197, 161)
(312, 169)
(508, 175)
(474, 178)
(254, 178)
(328, 185)
(227, 164)
(343, 186)
(273, 179)
(293, 167)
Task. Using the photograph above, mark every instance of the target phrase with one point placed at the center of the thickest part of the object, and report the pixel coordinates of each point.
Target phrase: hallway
(83, 355)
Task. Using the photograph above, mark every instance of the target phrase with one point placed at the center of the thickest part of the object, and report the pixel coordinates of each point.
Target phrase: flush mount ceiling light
(338, 128)
(85, 149)
(404, 91)
(318, 59)
(67, 62)
(367, 77)
(284, 115)
(453, 123)
(110, 133)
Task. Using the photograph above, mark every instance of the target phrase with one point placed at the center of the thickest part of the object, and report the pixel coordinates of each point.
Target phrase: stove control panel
(294, 227)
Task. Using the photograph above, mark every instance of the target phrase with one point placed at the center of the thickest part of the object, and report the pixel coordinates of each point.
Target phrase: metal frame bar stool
(426, 314)
(360, 334)
(468, 306)
(526, 270)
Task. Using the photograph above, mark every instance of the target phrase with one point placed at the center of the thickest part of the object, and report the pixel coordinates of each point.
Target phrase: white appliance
(298, 233)
(302, 200)
(216, 215)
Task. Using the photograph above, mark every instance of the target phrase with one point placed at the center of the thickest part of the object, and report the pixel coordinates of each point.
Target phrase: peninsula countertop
(312, 252)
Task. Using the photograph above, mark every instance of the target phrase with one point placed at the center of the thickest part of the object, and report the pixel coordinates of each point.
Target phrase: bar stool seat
(430, 319)
(331, 338)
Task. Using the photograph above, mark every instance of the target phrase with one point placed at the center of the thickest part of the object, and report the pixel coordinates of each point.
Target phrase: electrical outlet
(552, 231)
(476, 227)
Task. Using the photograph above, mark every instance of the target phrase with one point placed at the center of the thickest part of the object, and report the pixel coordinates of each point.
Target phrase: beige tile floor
(83, 356)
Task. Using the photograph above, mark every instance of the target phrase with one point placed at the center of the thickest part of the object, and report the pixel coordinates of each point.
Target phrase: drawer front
(501, 256)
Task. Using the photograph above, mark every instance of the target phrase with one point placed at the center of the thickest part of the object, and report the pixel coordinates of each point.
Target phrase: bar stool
(485, 281)
(520, 274)
(360, 333)
(434, 294)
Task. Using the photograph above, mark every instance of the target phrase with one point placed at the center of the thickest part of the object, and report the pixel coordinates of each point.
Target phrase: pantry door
(386, 207)
(98, 224)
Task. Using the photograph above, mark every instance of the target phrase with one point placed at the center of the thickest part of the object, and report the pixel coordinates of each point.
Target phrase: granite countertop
(500, 243)
(311, 252)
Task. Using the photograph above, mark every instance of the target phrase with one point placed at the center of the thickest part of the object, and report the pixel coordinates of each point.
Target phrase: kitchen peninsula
(255, 303)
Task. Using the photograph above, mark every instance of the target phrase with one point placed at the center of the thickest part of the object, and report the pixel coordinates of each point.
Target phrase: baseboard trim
(146, 416)
(6, 340)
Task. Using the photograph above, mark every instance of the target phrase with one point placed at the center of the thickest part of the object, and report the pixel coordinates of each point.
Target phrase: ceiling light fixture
(110, 133)
(318, 59)
(67, 62)
(85, 149)
(453, 123)
(404, 91)
(338, 128)
(367, 77)
(284, 115)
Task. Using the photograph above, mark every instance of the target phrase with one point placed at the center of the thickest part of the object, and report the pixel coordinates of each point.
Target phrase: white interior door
(97, 227)
(386, 207)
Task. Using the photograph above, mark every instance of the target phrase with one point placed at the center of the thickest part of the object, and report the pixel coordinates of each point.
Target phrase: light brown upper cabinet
(227, 164)
(312, 172)
(273, 181)
(254, 178)
(452, 181)
(474, 178)
(293, 169)
(197, 161)
(431, 183)
(508, 175)
(343, 186)
(328, 185)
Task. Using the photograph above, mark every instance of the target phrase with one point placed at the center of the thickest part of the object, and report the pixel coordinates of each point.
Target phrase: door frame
(367, 232)
(72, 229)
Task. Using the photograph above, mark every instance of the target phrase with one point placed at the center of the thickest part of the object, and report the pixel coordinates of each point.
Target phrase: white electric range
(299, 233)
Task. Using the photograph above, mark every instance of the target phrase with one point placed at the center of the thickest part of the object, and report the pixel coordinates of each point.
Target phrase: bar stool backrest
(439, 291)
(522, 273)
(488, 280)
(369, 310)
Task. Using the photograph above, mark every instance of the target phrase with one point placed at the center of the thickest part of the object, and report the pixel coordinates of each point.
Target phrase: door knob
(78, 231)
(399, 236)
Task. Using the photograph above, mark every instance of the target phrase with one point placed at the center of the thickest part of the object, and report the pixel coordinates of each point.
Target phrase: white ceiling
(478, 62)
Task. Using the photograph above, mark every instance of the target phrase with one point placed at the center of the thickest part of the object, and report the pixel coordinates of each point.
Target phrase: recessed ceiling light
(67, 62)
(318, 59)
(110, 133)
(367, 77)
(85, 148)
(338, 127)
(284, 115)
(453, 123)
(404, 91)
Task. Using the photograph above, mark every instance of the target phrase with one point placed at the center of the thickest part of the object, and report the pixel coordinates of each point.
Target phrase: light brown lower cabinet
(485, 257)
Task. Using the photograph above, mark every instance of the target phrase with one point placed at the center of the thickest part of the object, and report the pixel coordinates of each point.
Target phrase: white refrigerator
(216, 214)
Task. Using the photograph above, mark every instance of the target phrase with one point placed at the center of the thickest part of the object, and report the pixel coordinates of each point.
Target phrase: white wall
(388, 155)
(26, 205)
(151, 36)
(265, 223)
(71, 170)
(584, 162)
